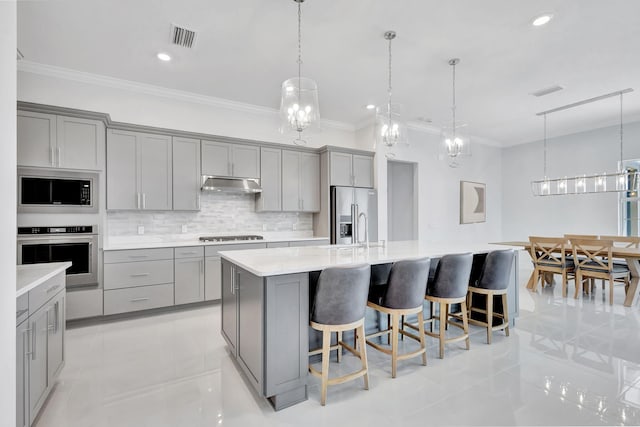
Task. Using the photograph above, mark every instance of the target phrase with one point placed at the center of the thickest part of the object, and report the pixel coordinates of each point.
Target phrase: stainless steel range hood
(231, 185)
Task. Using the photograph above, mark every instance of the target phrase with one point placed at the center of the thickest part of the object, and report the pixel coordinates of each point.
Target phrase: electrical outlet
(184, 228)
(294, 227)
(141, 229)
(264, 227)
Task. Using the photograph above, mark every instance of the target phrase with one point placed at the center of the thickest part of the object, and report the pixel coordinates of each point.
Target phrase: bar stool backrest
(452, 276)
(407, 284)
(341, 295)
(624, 241)
(497, 270)
(593, 254)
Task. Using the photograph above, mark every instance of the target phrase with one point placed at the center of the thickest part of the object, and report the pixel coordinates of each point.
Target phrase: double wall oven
(78, 244)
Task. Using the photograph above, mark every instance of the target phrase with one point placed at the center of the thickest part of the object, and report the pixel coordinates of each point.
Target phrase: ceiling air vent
(547, 90)
(182, 36)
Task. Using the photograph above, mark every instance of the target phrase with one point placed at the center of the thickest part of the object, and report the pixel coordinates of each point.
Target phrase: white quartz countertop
(195, 242)
(29, 276)
(277, 261)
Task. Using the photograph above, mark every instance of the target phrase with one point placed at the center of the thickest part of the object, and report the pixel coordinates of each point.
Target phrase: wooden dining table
(630, 255)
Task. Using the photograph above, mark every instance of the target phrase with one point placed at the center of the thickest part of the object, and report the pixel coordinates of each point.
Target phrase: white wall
(8, 212)
(439, 187)
(590, 152)
(153, 106)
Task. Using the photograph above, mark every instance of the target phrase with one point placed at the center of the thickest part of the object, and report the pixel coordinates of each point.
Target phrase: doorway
(402, 200)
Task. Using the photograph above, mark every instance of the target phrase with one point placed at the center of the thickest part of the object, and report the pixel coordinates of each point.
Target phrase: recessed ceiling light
(164, 56)
(542, 20)
(369, 106)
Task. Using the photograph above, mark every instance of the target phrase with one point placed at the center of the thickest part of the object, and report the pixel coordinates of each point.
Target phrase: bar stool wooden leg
(431, 315)
(489, 317)
(394, 344)
(505, 313)
(423, 341)
(326, 344)
(363, 354)
(443, 323)
(339, 346)
(465, 323)
(611, 281)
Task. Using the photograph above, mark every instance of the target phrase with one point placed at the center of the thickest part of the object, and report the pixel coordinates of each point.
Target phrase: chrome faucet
(366, 229)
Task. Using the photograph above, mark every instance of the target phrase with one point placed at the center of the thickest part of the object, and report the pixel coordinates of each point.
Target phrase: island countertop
(279, 261)
(28, 276)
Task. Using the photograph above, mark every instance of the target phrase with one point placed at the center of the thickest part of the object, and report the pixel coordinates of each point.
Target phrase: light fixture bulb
(164, 57)
(542, 20)
(370, 106)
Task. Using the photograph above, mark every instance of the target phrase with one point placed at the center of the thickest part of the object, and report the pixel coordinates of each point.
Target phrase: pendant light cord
(453, 106)
(299, 60)
(621, 135)
(545, 147)
(389, 89)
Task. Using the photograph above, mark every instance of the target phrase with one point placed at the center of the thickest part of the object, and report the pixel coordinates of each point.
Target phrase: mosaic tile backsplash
(221, 213)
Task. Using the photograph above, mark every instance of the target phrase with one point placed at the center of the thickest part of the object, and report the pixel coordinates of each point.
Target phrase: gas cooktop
(229, 238)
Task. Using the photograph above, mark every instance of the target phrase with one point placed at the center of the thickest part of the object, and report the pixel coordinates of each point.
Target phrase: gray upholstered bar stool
(449, 286)
(403, 296)
(339, 305)
(493, 281)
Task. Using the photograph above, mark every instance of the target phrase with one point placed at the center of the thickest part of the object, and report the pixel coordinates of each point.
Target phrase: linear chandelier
(623, 180)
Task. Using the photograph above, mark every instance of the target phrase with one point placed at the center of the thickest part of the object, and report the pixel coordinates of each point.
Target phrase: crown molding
(147, 89)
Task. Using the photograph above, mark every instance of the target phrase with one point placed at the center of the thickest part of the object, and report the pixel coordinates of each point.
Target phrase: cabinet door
(250, 325)
(189, 280)
(270, 180)
(186, 174)
(154, 171)
(362, 171)
(55, 340)
(216, 158)
(310, 182)
(229, 307)
(38, 361)
(36, 139)
(341, 168)
(122, 187)
(246, 161)
(291, 181)
(22, 374)
(212, 278)
(80, 143)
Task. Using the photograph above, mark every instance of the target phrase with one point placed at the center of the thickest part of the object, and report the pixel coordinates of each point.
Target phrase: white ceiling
(245, 49)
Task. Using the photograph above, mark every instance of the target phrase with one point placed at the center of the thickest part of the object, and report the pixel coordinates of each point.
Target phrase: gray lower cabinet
(212, 278)
(189, 280)
(264, 323)
(40, 351)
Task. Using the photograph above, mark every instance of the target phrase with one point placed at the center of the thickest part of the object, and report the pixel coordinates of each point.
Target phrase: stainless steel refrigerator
(354, 213)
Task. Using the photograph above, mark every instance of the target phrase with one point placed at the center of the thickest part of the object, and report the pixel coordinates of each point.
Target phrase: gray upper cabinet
(139, 171)
(235, 160)
(270, 199)
(300, 181)
(186, 174)
(47, 140)
(351, 170)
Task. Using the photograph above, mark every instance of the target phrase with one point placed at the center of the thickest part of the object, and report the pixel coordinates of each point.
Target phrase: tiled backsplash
(221, 213)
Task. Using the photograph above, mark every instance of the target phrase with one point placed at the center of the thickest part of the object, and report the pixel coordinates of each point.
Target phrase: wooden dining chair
(622, 242)
(593, 259)
(549, 256)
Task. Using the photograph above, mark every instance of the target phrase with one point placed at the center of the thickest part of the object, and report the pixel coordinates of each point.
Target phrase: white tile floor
(568, 362)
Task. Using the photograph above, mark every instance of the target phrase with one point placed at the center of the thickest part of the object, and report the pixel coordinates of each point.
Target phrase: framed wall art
(473, 196)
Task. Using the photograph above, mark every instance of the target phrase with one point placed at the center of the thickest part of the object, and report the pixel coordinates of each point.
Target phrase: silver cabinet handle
(33, 341)
(232, 169)
(138, 256)
(137, 200)
(52, 288)
(52, 158)
(27, 340)
(58, 150)
(189, 253)
(201, 266)
(144, 200)
(56, 320)
(140, 299)
(139, 274)
(198, 202)
(229, 168)
(232, 284)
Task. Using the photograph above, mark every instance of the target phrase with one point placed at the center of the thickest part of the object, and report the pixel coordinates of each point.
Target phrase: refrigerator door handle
(354, 224)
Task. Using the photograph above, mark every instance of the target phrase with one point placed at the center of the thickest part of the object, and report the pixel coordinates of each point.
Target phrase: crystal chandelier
(456, 144)
(390, 129)
(299, 109)
(623, 180)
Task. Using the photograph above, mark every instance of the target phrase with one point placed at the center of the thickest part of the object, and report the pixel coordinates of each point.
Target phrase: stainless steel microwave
(53, 191)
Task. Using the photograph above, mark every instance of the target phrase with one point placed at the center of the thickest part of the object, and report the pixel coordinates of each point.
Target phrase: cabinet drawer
(140, 298)
(130, 274)
(190, 252)
(214, 249)
(111, 257)
(278, 245)
(44, 292)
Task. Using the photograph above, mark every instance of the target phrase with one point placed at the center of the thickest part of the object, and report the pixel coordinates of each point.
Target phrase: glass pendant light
(455, 142)
(299, 108)
(390, 128)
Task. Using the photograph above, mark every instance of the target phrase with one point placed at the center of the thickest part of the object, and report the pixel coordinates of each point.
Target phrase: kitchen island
(265, 306)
